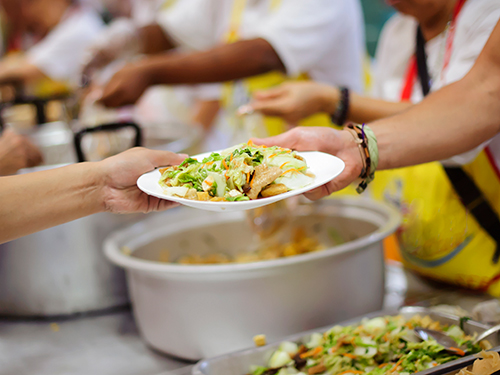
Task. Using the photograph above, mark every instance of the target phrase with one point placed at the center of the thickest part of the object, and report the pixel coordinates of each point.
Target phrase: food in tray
(383, 345)
(487, 364)
(241, 173)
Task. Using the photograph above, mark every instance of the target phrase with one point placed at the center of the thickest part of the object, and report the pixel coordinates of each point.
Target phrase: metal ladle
(449, 344)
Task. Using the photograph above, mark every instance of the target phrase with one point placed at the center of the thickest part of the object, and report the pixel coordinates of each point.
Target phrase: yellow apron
(439, 238)
(237, 93)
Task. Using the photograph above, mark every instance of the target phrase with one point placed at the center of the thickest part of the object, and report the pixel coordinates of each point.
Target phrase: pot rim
(114, 242)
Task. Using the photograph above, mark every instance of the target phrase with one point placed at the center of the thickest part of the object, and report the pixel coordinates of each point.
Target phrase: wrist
(95, 185)
(351, 150)
(146, 69)
(329, 97)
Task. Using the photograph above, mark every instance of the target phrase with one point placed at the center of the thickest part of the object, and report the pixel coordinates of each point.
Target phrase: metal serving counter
(110, 344)
(98, 345)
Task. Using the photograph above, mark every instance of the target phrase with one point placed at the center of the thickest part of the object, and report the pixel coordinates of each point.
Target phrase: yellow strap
(167, 4)
(235, 21)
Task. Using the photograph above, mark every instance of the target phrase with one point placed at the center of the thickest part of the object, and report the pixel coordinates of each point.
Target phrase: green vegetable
(376, 347)
(241, 198)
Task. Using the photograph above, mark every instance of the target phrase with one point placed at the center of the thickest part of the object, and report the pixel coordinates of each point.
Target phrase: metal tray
(239, 363)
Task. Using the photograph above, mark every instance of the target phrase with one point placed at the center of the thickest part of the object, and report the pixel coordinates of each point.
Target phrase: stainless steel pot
(62, 270)
(194, 312)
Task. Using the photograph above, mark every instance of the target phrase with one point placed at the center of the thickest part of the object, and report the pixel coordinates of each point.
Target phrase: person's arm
(448, 122)
(22, 71)
(39, 200)
(296, 101)
(227, 62)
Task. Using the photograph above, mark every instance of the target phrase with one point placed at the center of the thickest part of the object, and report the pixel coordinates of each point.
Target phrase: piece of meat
(300, 363)
(273, 189)
(262, 177)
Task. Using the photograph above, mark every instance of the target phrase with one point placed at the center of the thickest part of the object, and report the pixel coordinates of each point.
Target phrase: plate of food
(242, 177)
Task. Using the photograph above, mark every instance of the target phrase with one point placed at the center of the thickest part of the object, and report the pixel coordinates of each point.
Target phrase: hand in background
(118, 178)
(295, 101)
(17, 152)
(126, 86)
(328, 140)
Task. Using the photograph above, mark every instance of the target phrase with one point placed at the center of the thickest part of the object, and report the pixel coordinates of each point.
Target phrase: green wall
(376, 13)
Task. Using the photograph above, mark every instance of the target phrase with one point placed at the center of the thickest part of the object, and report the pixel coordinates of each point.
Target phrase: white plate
(325, 168)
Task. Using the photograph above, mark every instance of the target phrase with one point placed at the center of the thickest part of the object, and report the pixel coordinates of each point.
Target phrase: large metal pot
(201, 311)
(62, 270)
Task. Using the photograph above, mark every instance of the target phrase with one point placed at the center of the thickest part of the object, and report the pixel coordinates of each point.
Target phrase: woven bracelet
(367, 143)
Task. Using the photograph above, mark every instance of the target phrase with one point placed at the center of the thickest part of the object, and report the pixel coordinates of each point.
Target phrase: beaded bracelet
(367, 143)
(340, 115)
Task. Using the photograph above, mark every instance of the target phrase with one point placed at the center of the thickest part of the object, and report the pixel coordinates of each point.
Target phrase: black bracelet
(340, 115)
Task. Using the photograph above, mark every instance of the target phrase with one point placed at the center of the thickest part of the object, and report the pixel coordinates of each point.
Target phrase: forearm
(362, 109)
(228, 62)
(36, 201)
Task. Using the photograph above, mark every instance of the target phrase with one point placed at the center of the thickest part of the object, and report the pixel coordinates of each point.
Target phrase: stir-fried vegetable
(384, 345)
(240, 173)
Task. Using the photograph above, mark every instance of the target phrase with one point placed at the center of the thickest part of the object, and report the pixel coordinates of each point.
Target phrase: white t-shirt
(60, 54)
(397, 44)
(323, 38)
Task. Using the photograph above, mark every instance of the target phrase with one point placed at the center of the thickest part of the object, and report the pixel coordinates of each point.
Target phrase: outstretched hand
(294, 101)
(126, 86)
(119, 175)
(328, 140)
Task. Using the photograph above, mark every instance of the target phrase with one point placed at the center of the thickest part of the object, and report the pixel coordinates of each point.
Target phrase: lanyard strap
(451, 34)
(412, 70)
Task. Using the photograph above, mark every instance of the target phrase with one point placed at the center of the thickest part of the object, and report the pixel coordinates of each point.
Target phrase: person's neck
(435, 24)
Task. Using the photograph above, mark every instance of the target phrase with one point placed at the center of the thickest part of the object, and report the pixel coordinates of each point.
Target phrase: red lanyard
(14, 43)
(411, 71)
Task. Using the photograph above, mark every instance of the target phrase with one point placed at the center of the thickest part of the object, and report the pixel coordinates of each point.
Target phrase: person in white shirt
(321, 38)
(395, 49)
(444, 235)
(62, 29)
(447, 61)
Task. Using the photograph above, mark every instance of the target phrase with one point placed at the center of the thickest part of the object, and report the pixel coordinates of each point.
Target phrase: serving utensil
(449, 344)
